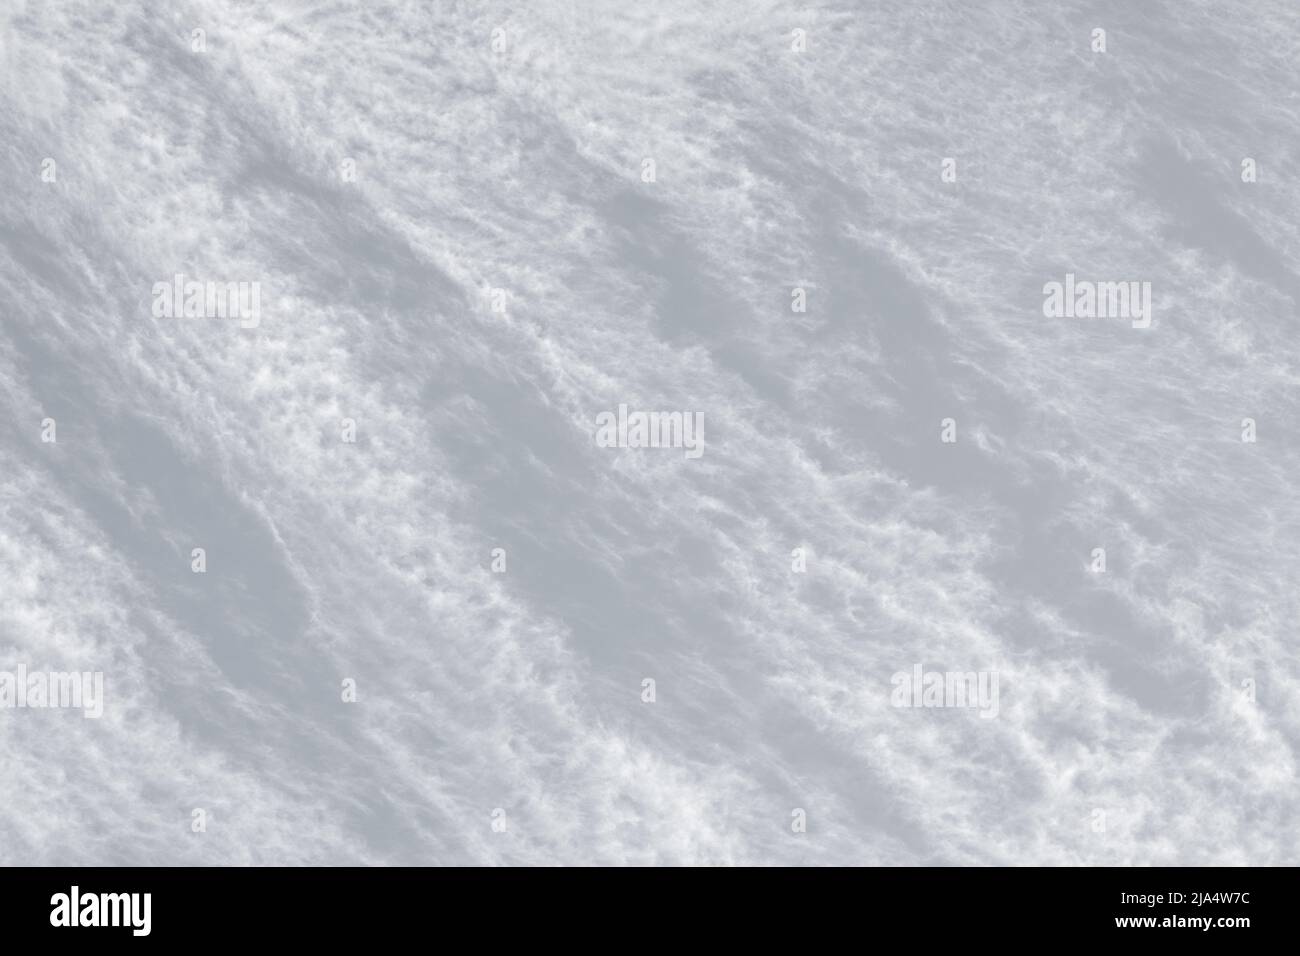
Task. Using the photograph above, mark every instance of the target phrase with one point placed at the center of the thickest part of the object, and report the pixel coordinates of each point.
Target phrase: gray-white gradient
(477, 229)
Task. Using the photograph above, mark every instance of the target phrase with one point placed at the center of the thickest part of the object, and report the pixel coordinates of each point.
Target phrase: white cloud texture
(446, 211)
